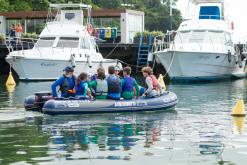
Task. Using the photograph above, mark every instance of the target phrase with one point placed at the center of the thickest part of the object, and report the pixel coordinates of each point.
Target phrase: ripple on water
(201, 132)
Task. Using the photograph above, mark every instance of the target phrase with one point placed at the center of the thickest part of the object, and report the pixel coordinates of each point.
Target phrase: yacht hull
(198, 65)
(48, 69)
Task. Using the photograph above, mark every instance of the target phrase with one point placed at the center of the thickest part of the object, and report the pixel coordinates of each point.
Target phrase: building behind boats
(127, 22)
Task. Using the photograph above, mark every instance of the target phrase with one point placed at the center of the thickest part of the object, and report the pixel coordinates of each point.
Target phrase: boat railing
(19, 43)
(163, 42)
(245, 49)
(216, 17)
(55, 11)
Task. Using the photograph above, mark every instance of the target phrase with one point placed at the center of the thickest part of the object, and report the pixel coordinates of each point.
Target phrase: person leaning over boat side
(100, 85)
(114, 84)
(81, 86)
(66, 83)
(130, 87)
(154, 88)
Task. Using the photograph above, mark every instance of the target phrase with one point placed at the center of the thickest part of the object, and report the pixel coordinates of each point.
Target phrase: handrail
(211, 17)
(162, 42)
(14, 43)
(245, 48)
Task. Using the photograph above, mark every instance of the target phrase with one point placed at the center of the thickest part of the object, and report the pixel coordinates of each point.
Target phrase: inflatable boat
(43, 102)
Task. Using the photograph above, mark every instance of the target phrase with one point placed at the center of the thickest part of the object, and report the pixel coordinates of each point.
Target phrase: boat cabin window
(200, 36)
(69, 16)
(68, 42)
(45, 42)
(85, 43)
(209, 12)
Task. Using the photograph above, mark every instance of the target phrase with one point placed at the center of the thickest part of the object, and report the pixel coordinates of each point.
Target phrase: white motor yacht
(65, 41)
(202, 47)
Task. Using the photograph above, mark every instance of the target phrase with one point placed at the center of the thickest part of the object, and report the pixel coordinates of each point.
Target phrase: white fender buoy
(161, 81)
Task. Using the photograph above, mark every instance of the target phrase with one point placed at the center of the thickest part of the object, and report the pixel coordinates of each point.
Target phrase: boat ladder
(143, 51)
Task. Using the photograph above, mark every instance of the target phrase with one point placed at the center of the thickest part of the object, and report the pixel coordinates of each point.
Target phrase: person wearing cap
(66, 83)
(114, 84)
(130, 86)
(117, 71)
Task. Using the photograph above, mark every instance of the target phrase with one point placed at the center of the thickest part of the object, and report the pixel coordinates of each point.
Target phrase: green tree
(20, 5)
(4, 5)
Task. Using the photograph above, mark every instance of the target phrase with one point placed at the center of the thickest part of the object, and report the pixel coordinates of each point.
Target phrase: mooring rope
(110, 53)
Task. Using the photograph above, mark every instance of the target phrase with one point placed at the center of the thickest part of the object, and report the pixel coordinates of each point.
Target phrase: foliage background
(156, 14)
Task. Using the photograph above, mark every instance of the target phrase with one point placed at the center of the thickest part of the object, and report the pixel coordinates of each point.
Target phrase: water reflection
(201, 132)
(116, 132)
(238, 124)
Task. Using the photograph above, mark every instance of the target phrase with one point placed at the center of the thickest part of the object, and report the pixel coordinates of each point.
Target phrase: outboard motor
(35, 102)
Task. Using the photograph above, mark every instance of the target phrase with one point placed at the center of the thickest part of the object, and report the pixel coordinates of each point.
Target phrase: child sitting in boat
(154, 89)
(130, 88)
(100, 85)
(114, 84)
(81, 87)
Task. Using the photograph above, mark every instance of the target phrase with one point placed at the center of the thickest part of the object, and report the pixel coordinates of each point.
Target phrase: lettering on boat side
(141, 104)
(73, 104)
(49, 64)
(125, 104)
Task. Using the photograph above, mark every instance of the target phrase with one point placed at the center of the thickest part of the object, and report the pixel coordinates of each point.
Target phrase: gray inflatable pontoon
(85, 106)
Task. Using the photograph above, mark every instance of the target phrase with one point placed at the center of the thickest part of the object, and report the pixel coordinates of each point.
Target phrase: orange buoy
(89, 28)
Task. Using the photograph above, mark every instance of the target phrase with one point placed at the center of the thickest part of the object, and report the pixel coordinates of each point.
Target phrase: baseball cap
(68, 69)
(117, 68)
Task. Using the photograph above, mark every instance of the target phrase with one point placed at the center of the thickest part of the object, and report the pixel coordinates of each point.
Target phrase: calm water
(199, 131)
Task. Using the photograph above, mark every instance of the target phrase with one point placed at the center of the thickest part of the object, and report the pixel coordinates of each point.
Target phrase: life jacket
(114, 84)
(102, 87)
(128, 84)
(154, 81)
(64, 87)
(80, 88)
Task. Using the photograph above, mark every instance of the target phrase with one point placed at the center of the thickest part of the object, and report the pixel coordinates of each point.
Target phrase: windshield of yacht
(200, 36)
(68, 42)
(45, 42)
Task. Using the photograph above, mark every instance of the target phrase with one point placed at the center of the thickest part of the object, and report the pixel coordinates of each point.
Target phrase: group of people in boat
(100, 86)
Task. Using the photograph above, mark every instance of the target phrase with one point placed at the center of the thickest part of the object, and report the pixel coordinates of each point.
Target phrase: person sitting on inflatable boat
(66, 83)
(81, 86)
(114, 85)
(100, 85)
(130, 87)
(94, 77)
(117, 71)
(154, 88)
